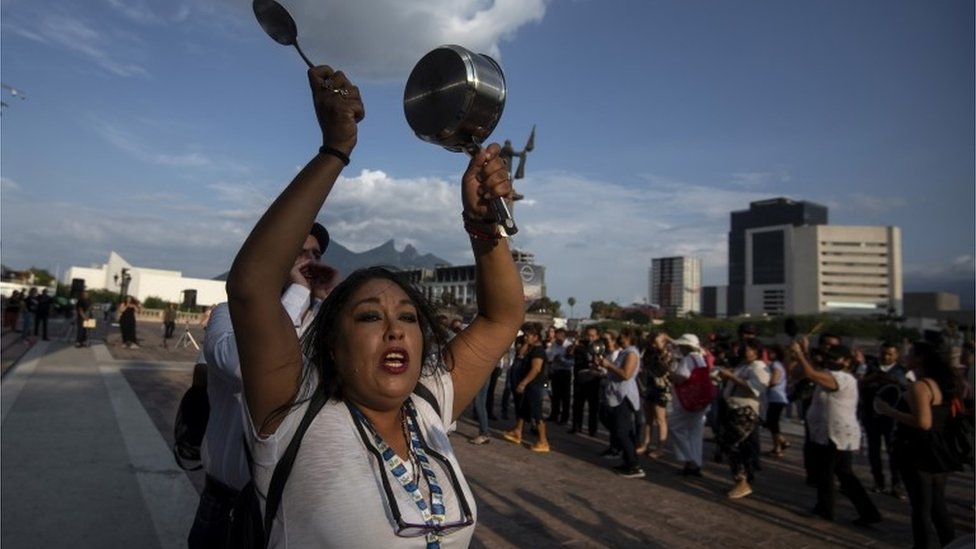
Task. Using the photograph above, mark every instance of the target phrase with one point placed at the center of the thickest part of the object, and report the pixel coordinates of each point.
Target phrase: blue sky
(161, 129)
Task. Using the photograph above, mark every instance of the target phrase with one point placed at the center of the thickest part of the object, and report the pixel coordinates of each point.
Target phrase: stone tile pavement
(568, 497)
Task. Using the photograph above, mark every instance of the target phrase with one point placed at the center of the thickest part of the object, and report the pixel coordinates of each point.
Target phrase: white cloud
(961, 267)
(753, 180)
(860, 203)
(128, 137)
(82, 38)
(140, 11)
(595, 237)
(8, 185)
(383, 39)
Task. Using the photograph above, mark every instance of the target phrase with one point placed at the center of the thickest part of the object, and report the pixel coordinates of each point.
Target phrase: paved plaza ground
(86, 463)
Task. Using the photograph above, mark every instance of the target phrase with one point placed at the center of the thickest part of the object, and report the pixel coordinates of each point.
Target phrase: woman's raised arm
(475, 351)
(270, 357)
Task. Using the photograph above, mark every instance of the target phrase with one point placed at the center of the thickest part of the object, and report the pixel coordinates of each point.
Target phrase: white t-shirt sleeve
(684, 367)
(295, 300)
(758, 378)
(220, 346)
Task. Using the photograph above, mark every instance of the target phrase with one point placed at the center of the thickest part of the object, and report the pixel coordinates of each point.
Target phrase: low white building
(144, 282)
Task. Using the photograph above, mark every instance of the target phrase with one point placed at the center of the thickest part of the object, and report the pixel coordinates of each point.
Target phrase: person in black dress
(127, 322)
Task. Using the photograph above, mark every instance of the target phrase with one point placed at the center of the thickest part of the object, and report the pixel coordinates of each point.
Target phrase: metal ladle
(278, 23)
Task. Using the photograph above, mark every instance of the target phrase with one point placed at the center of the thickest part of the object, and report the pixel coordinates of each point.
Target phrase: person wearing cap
(835, 433)
(687, 426)
(222, 450)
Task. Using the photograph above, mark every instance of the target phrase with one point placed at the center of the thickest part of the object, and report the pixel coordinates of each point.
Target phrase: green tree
(41, 276)
(545, 305)
(154, 302)
(572, 303)
(600, 309)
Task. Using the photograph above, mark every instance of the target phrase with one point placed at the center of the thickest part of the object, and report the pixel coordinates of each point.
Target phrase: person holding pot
(376, 468)
(918, 442)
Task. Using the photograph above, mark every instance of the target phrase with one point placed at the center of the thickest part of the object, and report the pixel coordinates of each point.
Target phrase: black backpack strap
(283, 468)
(423, 392)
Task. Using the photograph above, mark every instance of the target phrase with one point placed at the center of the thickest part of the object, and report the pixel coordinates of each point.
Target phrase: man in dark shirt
(44, 302)
(82, 313)
(586, 384)
(887, 380)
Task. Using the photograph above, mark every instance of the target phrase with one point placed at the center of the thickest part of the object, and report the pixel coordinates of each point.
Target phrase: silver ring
(341, 91)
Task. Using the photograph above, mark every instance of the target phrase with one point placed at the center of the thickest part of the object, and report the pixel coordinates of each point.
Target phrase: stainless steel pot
(454, 98)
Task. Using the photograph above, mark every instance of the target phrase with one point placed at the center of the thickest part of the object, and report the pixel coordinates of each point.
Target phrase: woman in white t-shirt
(835, 433)
(375, 468)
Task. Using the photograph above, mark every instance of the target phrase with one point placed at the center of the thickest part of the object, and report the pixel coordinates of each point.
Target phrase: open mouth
(396, 361)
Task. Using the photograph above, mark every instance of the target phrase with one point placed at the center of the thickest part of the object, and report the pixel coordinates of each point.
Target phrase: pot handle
(502, 216)
(499, 209)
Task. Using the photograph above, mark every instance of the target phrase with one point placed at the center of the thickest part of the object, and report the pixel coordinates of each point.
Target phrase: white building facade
(674, 285)
(166, 285)
(459, 281)
(817, 269)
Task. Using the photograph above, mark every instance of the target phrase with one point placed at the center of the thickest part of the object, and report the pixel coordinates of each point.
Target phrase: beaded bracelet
(336, 153)
(481, 229)
(478, 234)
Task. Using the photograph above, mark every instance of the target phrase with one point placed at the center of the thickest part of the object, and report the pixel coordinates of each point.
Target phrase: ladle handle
(300, 52)
(499, 209)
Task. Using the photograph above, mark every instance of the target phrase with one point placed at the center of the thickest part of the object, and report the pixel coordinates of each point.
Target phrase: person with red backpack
(694, 391)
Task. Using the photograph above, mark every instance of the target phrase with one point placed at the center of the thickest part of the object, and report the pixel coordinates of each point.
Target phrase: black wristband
(336, 153)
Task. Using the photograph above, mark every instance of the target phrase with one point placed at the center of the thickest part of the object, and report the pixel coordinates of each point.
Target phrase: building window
(768, 261)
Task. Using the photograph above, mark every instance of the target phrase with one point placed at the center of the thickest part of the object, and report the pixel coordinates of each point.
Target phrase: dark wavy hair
(318, 343)
(937, 366)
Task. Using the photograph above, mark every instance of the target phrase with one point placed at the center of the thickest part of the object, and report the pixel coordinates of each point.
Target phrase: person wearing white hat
(686, 426)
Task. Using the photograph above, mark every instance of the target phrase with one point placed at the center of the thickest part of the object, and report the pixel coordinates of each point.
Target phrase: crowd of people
(368, 379)
(27, 312)
(655, 393)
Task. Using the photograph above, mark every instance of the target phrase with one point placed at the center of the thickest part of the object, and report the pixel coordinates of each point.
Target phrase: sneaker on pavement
(513, 437)
(629, 472)
(740, 490)
(480, 439)
(539, 447)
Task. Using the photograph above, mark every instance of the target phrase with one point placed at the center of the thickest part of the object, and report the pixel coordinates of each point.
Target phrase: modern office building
(814, 269)
(674, 285)
(714, 301)
(774, 212)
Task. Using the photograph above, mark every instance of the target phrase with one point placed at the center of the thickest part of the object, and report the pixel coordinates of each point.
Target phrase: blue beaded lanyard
(432, 514)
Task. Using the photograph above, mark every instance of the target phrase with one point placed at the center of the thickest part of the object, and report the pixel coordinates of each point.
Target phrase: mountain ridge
(385, 255)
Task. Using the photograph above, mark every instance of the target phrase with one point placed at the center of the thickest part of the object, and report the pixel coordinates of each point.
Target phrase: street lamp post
(122, 281)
